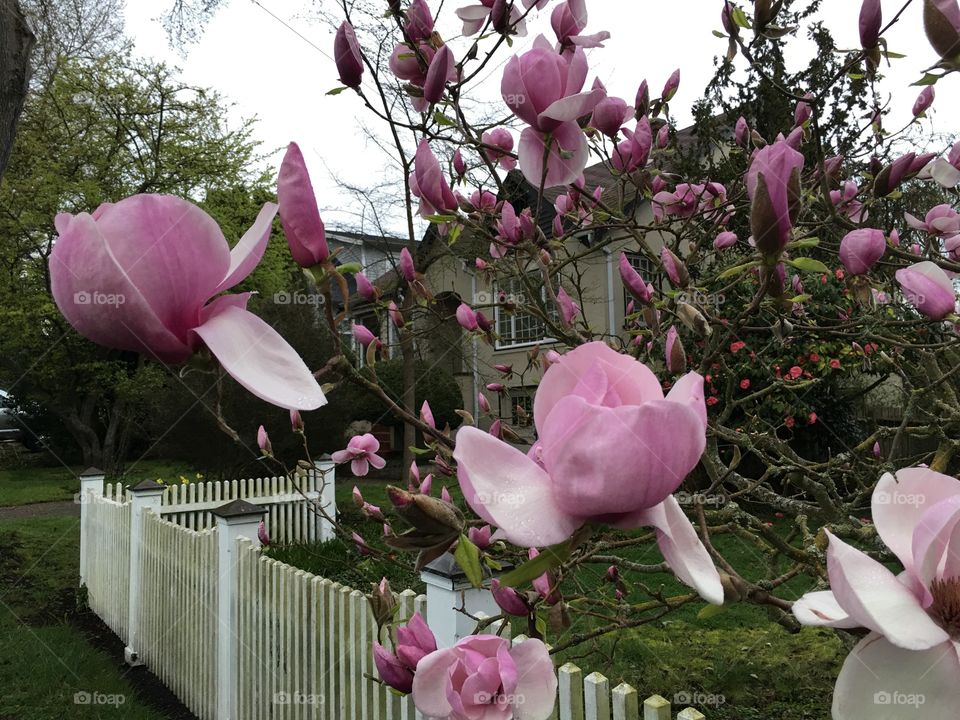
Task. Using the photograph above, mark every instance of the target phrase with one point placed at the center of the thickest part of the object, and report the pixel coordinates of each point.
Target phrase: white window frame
(513, 317)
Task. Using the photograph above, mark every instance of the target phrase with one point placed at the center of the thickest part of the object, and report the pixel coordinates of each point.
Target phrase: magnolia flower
(542, 88)
(568, 308)
(296, 422)
(415, 641)
(610, 114)
(901, 169)
(914, 618)
(569, 19)
(443, 67)
(263, 441)
(633, 152)
(929, 289)
(676, 356)
(773, 183)
(474, 16)
(365, 288)
(941, 21)
(466, 317)
(633, 282)
(361, 453)
(498, 144)
(871, 18)
(674, 267)
(946, 171)
(428, 183)
(363, 335)
(346, 54)
(724, 240)
(426, 415)
(160, 265)
(480, 536)
(861, 249)
(924, 101)
(741, 132)
(942, 221)
(671, 86)
(483, 678)
(262, 535)
(298, 211)
(611, 449)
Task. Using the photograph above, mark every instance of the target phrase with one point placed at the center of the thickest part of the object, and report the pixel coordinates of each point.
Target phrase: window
(648, 271)
(517, 327)
(521, 406)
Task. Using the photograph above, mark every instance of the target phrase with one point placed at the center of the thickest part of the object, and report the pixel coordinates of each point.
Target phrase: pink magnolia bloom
(365, 288)
(633, 282)
(542, 88)
(144, 274)
(459, 164)
(612, 449)
(671, 86)
(946, 171)
(861, 249)
(903, 168)
(263, 441)
(568, 308)
(426, 415)
(509, 600)
(428, 183)
(676, 356)
(941, 21)
(395, 315)
(414, 642)
(363, 335)
(296, 422)
(845, 200)
(803, 111)
(419, 21)
(299, 214)
(663, 136)
(346, 55)
(871, 19)
(610, 114)
(483, 678)
(929, 289)
(569, 20)
(262, 535)
(942, 221)
(480, 536)
(361, 453)
(674, 267)
(724, 240)
(913, 617)
(443, 67)
(466, 317)
(634, 151)
(475, 16)
(499, 145)
(483, 403)
(924, 101)
(406, 266)
(773, 184)
(741, 132)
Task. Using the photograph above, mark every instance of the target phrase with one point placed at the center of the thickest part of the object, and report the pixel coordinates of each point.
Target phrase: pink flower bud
(871, 18)
(773, 184)
(725, 240)
(480, 536)
(876, 449)
(924, 101)
(426, 415)
(299, 214)
(427, 485)
(406, 266)
(742, 132)
(262, 534)
(671, 87)
(676, 356)
(633, 282)
(466, 317)
(674, 267)
(263, 441)
(442, 67)
(346, 55)
(568, 308)
(861, 249)
(459, 166)
(509, 600)
(365, 288)
(363, 335)
(395, 315)
(483, 403)
(505, 369)
(445, 495)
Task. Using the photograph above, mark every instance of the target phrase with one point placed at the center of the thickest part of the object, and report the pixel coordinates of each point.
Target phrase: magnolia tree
(803, 277)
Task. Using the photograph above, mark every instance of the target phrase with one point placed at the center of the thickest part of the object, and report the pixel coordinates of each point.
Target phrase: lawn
(55, 662)
(737, 664)
(25, 485)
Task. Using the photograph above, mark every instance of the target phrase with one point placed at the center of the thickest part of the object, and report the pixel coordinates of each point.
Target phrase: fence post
(327, 475)
(91, 488)
(144, 496)
(235, 520)
(449, 592)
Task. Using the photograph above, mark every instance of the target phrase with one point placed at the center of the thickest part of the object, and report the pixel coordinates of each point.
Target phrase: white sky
(267, 71)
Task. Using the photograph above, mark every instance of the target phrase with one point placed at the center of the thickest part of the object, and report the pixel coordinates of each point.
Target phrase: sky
(279, 70)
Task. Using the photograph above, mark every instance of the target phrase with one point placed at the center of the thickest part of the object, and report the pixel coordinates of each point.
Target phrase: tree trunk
(16, 42)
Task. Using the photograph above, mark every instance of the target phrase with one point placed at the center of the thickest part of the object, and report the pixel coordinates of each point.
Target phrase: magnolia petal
(936, 543)
(683, 550)
(260, 359)
(430, 683)
(880, 681)
(247, 253)
(874, 597)
(81, 265)
(945, 174)
(568, 155)
(899, 502)
(689, 391)
(509, 490)
(822, 609)
(573, 107)
(537, 682)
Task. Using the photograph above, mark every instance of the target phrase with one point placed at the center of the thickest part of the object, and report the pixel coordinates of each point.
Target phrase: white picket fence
(237, 635)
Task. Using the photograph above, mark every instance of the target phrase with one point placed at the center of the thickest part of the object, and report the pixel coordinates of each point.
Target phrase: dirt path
(65, 508)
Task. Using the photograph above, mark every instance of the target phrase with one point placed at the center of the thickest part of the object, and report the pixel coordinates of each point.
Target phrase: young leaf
(805, 264)
(547, 560)
(737, 269)
(467, 556)
(336, 91)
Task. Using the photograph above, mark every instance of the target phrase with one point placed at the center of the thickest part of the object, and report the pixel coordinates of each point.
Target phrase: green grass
(45, 656)
(740, 664)
(22, 486)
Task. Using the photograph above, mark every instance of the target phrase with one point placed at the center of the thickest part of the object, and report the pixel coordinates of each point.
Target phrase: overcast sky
(268, 71)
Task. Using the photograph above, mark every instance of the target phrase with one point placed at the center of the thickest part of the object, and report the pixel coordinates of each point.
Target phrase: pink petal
(632, 381)
(299, 214)
(878, 681)
(431, 681)
(682, 549)
(822, 609)
(247, 253)
(899, 503)
(260, 360)
(509, 490)
(217, 305)
(82, 264)
(573, 107)
(689, 391)
(378, 462)
(874, 597)
(359, 467)
(615, 460)
(569, 138)
(936, 543)
(537, 682)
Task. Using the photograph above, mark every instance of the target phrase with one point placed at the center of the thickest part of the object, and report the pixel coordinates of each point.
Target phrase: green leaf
(492, 564)
(441, 119)
(711, 611)
(928, 79)
(740, 17)
(891, 55)
(800, 298)
(717, 33)
(440, 218)
(805, 264)
(467, 556)
(336, 91)
(541, 625)
(420, 451)
(349, 268)
(805, 243)
(552, 557)
(737, 269)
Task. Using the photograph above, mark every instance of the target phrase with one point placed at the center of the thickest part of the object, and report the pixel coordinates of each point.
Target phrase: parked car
(10, 428)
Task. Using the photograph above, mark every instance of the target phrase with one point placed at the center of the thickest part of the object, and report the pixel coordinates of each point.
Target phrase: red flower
(795, 372)
(779, 515)
(711, 401)
(839, 274)
(745, 384)
(835, 364)
(789, 421)
(812, 418)
(814, 357)
(737, 346)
